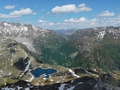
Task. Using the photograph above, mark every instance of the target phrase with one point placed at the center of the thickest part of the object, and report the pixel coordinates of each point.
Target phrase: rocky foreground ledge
(103, 82)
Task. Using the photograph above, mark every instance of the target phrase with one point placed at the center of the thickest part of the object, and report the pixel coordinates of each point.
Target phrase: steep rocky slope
(16, 61)
(107, 41)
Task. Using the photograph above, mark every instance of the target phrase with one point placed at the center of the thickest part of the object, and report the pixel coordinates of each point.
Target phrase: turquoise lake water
(39, 71)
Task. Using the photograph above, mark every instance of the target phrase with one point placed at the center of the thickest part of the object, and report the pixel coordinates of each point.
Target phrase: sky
(62, 14)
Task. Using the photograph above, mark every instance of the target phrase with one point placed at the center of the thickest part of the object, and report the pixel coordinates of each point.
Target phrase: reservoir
(39, 71)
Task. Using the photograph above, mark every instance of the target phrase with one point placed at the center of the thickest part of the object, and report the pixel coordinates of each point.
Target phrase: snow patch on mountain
(101, 34)
(18, 30)
(73, 73)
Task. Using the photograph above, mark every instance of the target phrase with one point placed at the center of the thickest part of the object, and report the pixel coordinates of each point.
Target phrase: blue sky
(61, 14)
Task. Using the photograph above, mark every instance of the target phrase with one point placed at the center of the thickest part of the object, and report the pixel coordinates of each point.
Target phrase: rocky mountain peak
(19, 30)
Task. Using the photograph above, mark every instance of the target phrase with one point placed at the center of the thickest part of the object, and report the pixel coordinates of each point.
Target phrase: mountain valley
(85, 59)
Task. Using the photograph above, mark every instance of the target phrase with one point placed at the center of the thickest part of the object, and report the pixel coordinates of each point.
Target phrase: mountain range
(88, 53)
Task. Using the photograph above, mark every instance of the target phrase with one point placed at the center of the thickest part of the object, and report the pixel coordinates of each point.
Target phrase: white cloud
(107, 14)
(7, 16)
(82, 19)
(51, 24)
(17, 13)
(82, 5)
(93, 21)
(83, 22)
(21, 12)
(42, 21)
(71, 8)
(9, 7)
(45, 23)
